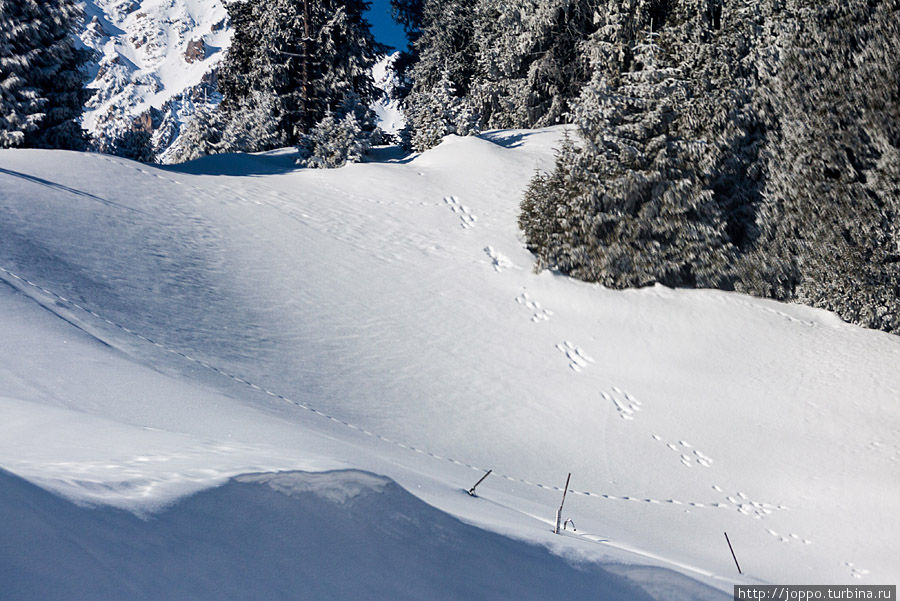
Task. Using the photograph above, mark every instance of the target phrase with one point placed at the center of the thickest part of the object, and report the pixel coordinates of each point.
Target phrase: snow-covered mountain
(154, 63)
(169, 334)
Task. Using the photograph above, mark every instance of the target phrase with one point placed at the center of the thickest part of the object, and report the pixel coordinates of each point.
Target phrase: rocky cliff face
(154, 64)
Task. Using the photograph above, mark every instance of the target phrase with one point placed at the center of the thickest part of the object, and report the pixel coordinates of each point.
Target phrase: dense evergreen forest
(749, 145)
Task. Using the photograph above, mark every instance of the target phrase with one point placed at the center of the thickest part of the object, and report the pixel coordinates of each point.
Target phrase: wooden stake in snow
(733, 555)
(559, 511)
(471, 491)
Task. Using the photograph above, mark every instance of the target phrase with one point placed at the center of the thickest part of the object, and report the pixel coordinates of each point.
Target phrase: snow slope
(166, 330)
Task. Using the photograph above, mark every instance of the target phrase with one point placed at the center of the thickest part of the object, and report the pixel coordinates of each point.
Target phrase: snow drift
(338, 535)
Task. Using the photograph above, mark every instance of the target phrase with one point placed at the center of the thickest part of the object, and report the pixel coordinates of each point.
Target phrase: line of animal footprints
(689, 455)
(578, 359)
(466, 218)
(789, 538)
(626, 405)
(540, 313)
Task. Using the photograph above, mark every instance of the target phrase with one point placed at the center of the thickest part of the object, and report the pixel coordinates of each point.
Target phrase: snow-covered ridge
(151, 54)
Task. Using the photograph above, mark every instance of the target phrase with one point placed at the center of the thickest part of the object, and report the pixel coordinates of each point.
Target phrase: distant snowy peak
(151, 53)
(155, 64)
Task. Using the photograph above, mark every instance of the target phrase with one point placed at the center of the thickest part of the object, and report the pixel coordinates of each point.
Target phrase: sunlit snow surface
(165, 330)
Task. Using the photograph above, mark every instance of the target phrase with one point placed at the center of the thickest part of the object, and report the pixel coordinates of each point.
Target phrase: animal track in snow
(890, 451)
(578, 359)
(498, 260)
(789, 538)
(757, 510)
(855, 571)
(466, 218)
(689, 455)
(625, 404)
(540, 313)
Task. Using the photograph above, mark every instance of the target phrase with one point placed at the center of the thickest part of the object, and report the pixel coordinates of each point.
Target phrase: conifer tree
(409, 14)
(446, 53)
(831, 221)
(298, 57)
(134, 144)
(625, 205)
(203, 135)
(341, 136)
(42, 91)
(530, 61)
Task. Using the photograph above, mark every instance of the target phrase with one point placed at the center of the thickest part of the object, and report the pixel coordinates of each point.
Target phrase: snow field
(259, 318)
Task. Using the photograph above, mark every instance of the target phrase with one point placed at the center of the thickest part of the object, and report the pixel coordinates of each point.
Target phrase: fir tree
(342, 136)
(20, 104)
(203, 135)
(530, 62)
(409, 14)
(626, 205)
(755, 146)
(831, 219)
(252, 126)
(300, 58)
(42, 91)
(439, 112)
(134, 144)
(445, 67)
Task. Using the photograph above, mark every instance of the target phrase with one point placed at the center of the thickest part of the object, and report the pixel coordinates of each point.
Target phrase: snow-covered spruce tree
(20, 104)
(781, 143)
(134, 144)
(445, 67)
(297, 58)
(202, 135)
(342, 136)
(439, 112)
(252, 125)
(42, 80)
(831, 220)
(530, 62)
(626, 204)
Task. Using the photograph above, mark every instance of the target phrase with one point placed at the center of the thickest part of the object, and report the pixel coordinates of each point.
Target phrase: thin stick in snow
(471, 491)
(733, 555)
(559, 511)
